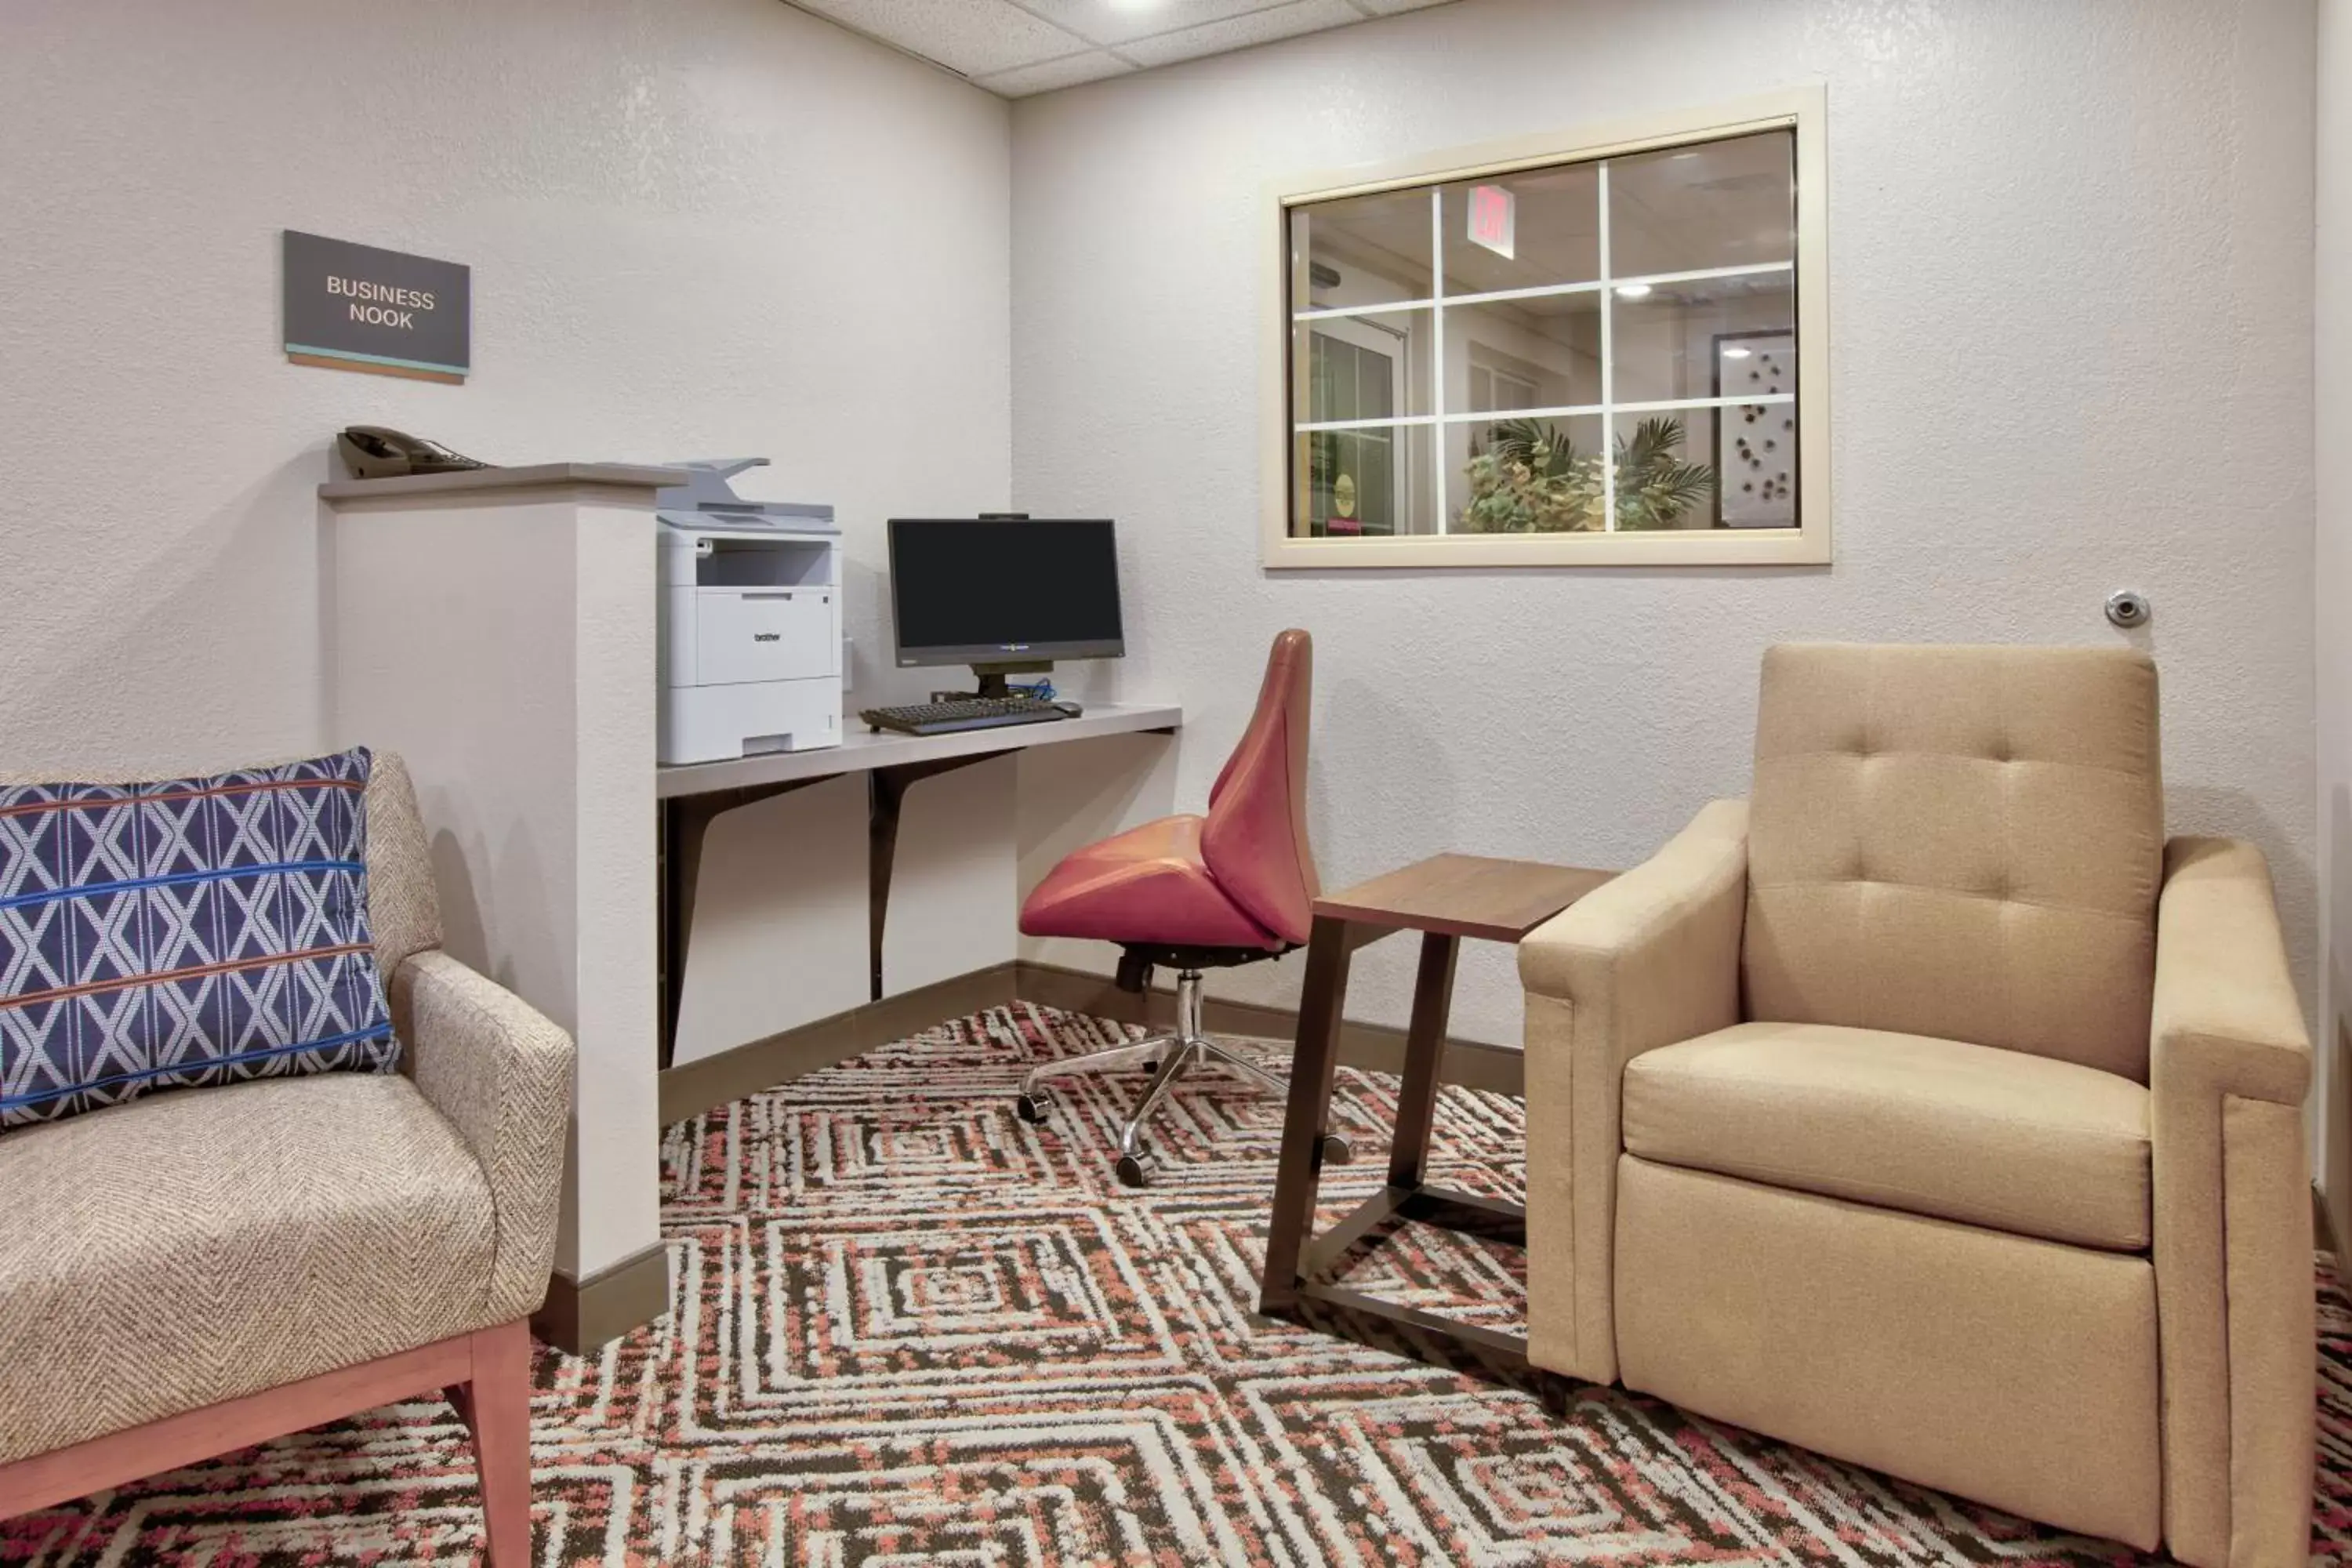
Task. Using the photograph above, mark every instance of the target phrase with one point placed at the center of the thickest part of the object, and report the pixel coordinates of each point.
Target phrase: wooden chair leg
(498, 1401)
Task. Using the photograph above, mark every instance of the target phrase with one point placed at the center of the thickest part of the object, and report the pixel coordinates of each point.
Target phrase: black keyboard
(965, 713)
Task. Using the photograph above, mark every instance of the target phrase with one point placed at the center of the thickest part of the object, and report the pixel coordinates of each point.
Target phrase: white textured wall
(2332, 405)
(2071, 305)
(697, 229)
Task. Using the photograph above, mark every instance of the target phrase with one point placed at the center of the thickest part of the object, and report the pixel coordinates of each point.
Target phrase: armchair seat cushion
(2026, 1145)
(198, 1246)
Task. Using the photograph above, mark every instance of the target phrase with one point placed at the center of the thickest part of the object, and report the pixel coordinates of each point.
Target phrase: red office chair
(1192, 893)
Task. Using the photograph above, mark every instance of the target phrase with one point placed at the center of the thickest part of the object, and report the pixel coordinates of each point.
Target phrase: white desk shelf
(864, 751)
(834, 950)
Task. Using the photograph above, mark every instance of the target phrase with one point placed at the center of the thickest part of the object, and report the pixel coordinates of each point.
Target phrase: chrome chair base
(1167, 1056)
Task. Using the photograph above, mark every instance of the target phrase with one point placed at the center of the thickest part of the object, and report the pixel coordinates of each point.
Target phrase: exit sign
(1495, 219)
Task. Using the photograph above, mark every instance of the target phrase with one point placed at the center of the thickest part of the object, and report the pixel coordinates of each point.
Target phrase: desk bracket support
(683, 823)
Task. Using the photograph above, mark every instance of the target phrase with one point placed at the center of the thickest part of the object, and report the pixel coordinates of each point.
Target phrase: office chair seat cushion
(1148, 885)
(185, 932)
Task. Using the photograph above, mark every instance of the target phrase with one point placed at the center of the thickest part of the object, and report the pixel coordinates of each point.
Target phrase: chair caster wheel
(1134, 1172)
(1335, 1149)
(1031, 1108)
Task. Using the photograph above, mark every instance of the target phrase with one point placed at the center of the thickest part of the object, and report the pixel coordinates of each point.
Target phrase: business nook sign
(353, 307)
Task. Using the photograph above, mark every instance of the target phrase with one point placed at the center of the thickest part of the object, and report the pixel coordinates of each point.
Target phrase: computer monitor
(1004, 595)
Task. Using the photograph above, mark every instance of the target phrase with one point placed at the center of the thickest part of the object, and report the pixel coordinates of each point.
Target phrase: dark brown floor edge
(581, 1315)
(1377, 1047)
(692, 1087)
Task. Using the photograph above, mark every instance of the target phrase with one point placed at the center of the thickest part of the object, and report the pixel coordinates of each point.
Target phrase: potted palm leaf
(1527, 476)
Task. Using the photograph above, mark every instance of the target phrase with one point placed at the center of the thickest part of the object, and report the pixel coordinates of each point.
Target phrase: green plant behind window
(1528, 478)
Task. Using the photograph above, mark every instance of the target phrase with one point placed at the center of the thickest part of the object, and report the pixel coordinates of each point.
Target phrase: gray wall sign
(354, 307)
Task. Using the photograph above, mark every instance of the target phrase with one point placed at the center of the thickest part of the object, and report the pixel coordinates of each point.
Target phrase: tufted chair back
(1962, 842)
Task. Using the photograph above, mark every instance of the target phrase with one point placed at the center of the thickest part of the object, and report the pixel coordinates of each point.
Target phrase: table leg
(1425, 1051)
(1317, 1054)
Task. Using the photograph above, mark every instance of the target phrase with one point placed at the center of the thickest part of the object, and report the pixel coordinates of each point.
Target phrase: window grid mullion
(1437, 355)
(1608, 364)
(1566, 411)
(1546, 291)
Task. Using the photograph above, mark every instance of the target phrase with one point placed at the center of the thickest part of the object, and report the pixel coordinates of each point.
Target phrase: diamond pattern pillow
(183, 933)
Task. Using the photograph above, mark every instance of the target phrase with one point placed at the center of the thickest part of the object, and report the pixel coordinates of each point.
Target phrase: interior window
(1595, 345)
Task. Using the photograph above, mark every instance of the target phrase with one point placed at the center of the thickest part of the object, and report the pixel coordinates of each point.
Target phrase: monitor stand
(992, 676)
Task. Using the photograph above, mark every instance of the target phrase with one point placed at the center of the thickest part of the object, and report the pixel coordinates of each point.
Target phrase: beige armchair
(1931, 1112)
(196, 1271)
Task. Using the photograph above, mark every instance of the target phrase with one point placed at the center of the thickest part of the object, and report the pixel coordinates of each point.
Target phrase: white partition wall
(498, 631)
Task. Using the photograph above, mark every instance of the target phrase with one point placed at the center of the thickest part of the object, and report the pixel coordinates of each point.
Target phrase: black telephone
(376, 452)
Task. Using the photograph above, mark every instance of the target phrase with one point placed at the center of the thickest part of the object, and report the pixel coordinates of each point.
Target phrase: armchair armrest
(2229, 1066)
(1693, 890)
(2227, 1019)
(500, 1072)
(1648, 960)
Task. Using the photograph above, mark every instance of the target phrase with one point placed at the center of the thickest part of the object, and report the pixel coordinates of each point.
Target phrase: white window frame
(1800, 109)
(1391, 344)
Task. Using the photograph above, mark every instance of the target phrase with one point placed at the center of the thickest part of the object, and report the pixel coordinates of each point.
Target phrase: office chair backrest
(1963, 842)
(1255, 841)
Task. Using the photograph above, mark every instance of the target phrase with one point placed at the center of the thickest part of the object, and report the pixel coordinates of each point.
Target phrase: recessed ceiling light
(1137, 5)
(1737, 352)
(1633, 290)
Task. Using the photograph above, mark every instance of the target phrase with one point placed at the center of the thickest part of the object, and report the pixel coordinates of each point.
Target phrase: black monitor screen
(966, 591)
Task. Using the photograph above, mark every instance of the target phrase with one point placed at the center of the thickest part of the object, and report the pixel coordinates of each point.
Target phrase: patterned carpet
(917, 1331)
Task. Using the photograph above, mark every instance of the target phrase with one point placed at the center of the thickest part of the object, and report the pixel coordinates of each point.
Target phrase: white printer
(750, 620)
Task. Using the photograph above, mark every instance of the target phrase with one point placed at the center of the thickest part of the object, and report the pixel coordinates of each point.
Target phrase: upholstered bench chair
(197, 1270)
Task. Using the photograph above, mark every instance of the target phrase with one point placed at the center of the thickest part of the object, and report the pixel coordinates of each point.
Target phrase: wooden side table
(1445, 897)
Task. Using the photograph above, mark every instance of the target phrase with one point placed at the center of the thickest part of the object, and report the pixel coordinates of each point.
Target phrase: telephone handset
(377, 452)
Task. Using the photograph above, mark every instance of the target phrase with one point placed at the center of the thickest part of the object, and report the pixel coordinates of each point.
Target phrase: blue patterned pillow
(176, 935)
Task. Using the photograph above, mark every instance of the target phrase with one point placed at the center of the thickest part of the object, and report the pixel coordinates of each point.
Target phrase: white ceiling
(1015, 48)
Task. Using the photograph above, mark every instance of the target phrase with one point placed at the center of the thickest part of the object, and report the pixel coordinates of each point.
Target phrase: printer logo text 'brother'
(766, 637)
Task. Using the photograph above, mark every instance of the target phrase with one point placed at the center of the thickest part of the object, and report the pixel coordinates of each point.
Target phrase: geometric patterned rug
(916, 1329)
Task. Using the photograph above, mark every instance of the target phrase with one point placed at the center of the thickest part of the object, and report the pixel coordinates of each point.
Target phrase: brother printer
(750, 620)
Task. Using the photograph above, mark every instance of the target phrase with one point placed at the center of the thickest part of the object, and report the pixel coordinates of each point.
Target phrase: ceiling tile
(1114, 22)
(1392, 7)
(976, 38)
(1241, 32)
(1068, 71)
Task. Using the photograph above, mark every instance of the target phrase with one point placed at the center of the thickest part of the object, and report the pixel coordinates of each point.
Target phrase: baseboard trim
(1375, 1047)
(692, 1087)
(581, 1315)
(689, 1088)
